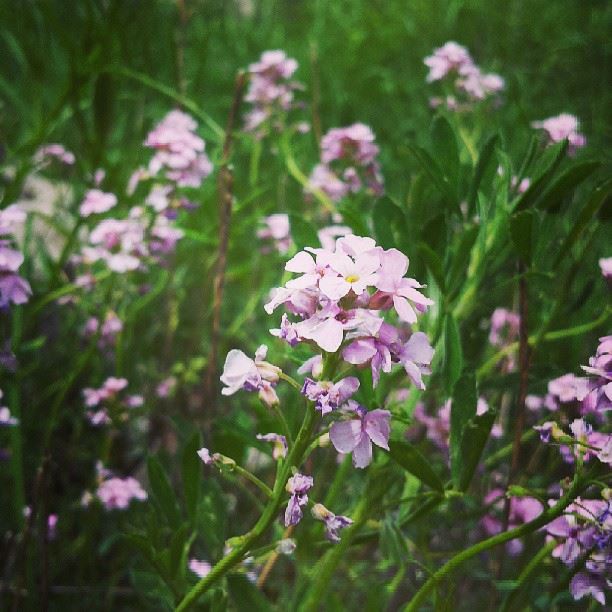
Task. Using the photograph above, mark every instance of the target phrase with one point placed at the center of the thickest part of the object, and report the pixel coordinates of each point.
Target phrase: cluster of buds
(349, 163)
(453, 64)
(13, 288)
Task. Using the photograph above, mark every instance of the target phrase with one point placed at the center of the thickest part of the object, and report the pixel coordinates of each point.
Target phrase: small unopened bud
(321, 513)
(286, 546)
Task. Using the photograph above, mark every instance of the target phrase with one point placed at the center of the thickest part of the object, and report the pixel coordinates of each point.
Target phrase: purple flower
(298, 486)
(584, 583)
(328, 395)
(562, 127)
(348, 162)
(57, 151)
(97, 202)
(5, 416)
(199, 568)
(117, 493)
(279, 444)
(446, 59)
(179, 151)
(596, 391)
(333, 522)
(522, 510)
(242, 372)
(277, 229)
(270, 92)
(356, 435)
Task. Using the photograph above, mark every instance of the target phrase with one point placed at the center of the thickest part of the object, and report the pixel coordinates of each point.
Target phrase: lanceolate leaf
(192, 474)
(413, 461)
(484, 160)
(598, 197)
(463, 409)
(453, 352)
(162, 491)
(551, 158)
(434, 265)
(521, 233)
(566, 182)
(434, 172)
(389, 224)
(473, 440)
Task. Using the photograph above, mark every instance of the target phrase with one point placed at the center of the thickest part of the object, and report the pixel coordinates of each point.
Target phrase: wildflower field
(305, 305)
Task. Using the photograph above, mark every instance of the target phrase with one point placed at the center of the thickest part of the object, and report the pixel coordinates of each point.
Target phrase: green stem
(559, 334)
(416, 603)
(264, 521)
(330, 561)
(262, 486)
(526, 573)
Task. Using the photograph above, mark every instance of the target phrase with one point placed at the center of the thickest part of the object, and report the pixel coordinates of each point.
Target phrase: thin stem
(416, 603)
(552, 336)
(262, 486)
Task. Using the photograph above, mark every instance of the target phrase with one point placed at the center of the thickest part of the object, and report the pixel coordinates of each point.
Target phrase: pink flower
(97, 202)
(446, 59)
(277, 229)
(356, 435)
(200, 568)
(562, 127)
(327, 395)
(57, 151)
(606, 267)
(117, 493)
(279, 444)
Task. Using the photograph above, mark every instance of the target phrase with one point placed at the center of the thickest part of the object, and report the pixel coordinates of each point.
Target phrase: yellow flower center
(352, 278)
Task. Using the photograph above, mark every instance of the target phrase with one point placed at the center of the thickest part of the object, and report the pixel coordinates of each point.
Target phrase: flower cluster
(96, 202)
(179, 152)
(585, 443)
(114, 492)
(453, 64)
(584, 537)
(562, 127)
(100, 402)
(522, 510)
(334, 305)
(125, 245)
(271, 92)
(54, 150)
(593, 392)
(13, 288)
(437, 428)
(108, 329)
(348, 163)
(277, 231)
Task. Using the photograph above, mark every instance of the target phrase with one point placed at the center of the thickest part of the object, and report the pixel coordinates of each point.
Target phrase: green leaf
(521, 233)
(463, 409)
(474, 438)
(566, 182)
(389, 224)
(434, 264)
(598, 197)
(460, 258)
(162, 491)
(452, 364)
(192, 474)
(392, 542)
(433, 171)
(445, 147)
(549, 162)
(484, 160)
(303, 232)
(409, 457)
